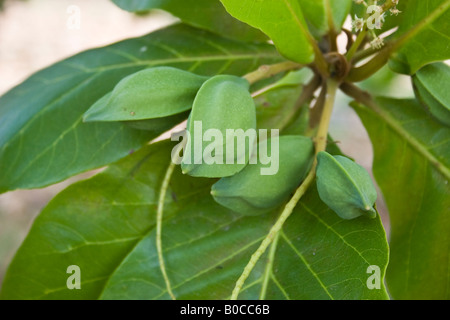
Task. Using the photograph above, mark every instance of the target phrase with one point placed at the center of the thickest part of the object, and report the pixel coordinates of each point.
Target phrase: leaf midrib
(306, 264)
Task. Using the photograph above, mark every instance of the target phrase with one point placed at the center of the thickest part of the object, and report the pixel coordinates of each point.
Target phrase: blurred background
(35, 34)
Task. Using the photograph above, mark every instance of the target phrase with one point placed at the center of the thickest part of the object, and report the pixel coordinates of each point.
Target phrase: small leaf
(345, 186)
(291, 79)
(434, 96)
(222, 105)
(203, 14)
(281, 20)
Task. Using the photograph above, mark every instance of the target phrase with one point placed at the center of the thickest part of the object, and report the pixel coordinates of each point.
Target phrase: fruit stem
(267, 71)
(269, 266)
(355, 46)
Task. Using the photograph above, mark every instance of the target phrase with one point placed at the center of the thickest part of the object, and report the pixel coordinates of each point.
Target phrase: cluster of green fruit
(154, 96)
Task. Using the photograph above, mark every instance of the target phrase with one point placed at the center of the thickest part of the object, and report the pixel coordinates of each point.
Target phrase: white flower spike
(358, 23)
(395, 12)
(377, 43)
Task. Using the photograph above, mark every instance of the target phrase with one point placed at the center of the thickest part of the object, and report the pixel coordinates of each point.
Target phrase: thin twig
(267, 71)
(317, 110)
(305, 97)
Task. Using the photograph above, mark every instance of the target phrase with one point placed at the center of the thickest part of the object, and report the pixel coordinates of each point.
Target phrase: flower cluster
(375, 20)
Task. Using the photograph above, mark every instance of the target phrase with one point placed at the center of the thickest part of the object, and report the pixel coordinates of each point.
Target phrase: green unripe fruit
(251, 193)
(429, 86)
(345, 186)
(148, 94)
(222, 108)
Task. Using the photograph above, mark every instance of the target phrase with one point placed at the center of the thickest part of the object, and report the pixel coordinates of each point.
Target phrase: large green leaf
(424, 32)
(204, 14)
(281, 20)
(105, 225)
(412, 167)
(42, 137)
(319, 14)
